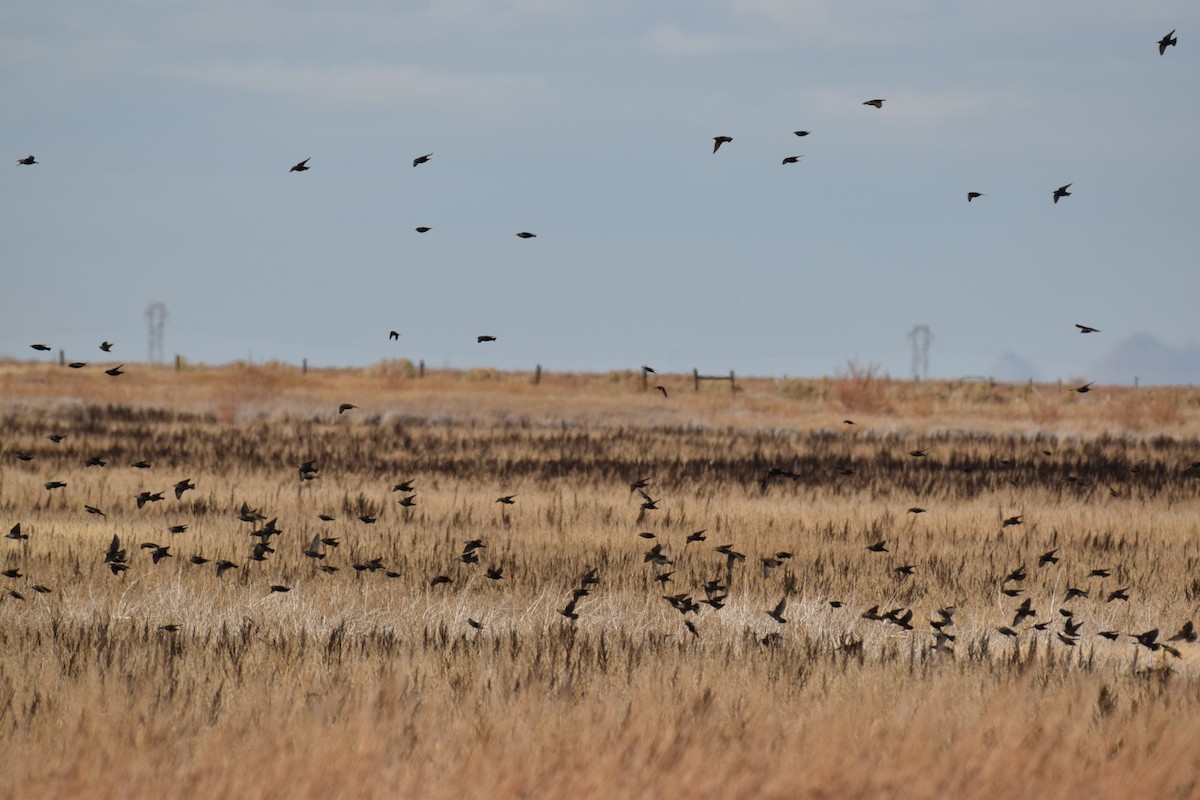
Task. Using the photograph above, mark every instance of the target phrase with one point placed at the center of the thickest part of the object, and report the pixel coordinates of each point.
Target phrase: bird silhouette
(41, 347)
(393, 335)
(662, 389)
(1167, 41)
(972, 195)
(508, 499)
(301, 167)
(801, 133)
(183, 486)
(1048, 557)
(1017, 520)
(878, 547)
(1061, 192)
(1086, 328)
(115, 371)
(877, 103)
(30, 160)
(720, 140)
(527, 235)
(344, 407)
(792, 159)
(422, 159)
(481, 339)
(77, 364)
(777, 612)
(1087, 387)
(106, 346)
(423, 229)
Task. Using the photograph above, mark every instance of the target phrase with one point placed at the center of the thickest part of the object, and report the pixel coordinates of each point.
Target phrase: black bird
(77, 364)
(23, 456)
(301, 167)
(160, 553)
(11, 573)
(50, 486)
(1024, 610)
(972, 195)
(408, 501)
(508, 499)
(916, 510)
(878, 547)
(662, 389)
(691, 626)
(1086, 328)
(56, 437)
(280, 588)
(42, 347)
(15, 534)
(527, 235)
(1013, 521)
(1048, 557)
(1071, 628)
(224, 566)
(198, 560)
(344, 407)
(314, 548)
(906, 570)
(422, 159)
(476, 625)
(141, 465)
(792, 159)
(1007, 631)
(777, 613)
(440, 579)
(648, 504)
(801, 133)
(170, 628)
(1110, 635)
(393, 335)
(106, 346)
(877, 103)
(917, 453)
(1118, 594)
(183, 486)
(720, 140)
(1087, 387)
(569, 611)
(177, 529)
(30, 160)
(325, 517)
(148, 497)
(1186, 634)
(423, 229)
(404, 486)
(480, 339)
(114, 554)
(1017, 574)
(367, 519)
(1061, 192)
(1100, 573)
(1072, 593)
(696, 536)
(94, 510)
(494, 573)
(1167, 41)
(115, 371)
(640, 483)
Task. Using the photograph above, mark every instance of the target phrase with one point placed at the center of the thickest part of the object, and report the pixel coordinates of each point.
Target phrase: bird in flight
(972, 195)
(777, 612)
(29, 160)
(344, 407)
(424, 229)
(720, 140)
(106, 346)
(662, 389)
(422, 159)
(1086, 329)
(1087, 387)
(877, 103)
(801, 133)
(527, 235)
(1061, 192)
(1167, 41)
(301, 167)
(507, 500)
(40, 347)
(115, 371)
(792, 159)
(480, 339)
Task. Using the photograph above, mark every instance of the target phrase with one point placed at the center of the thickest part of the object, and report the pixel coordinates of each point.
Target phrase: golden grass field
(371, 683)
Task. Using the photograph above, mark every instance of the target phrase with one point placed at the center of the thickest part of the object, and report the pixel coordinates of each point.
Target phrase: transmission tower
(920, 337)
(156, 317)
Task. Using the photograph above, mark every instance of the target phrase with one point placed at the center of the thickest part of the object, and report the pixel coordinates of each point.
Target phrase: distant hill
(1150, 360)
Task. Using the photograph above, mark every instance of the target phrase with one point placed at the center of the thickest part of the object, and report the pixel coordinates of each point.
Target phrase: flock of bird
(659, 557)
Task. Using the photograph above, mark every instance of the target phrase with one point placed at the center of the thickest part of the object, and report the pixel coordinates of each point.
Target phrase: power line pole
(920, 337)
(156, 317)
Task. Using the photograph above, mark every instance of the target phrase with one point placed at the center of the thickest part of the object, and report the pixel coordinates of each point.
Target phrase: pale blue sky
(165, 132)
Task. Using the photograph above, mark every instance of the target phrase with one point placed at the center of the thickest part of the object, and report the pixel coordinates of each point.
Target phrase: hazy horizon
(165, 138)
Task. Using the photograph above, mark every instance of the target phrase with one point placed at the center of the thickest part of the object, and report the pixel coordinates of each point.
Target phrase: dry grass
(357, 684)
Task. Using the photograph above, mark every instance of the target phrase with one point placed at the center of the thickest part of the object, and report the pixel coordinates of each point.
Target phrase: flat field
(143, 674)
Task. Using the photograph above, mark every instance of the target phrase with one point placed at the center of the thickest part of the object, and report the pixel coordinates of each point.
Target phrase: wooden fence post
(421, 368)
(537, 375)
